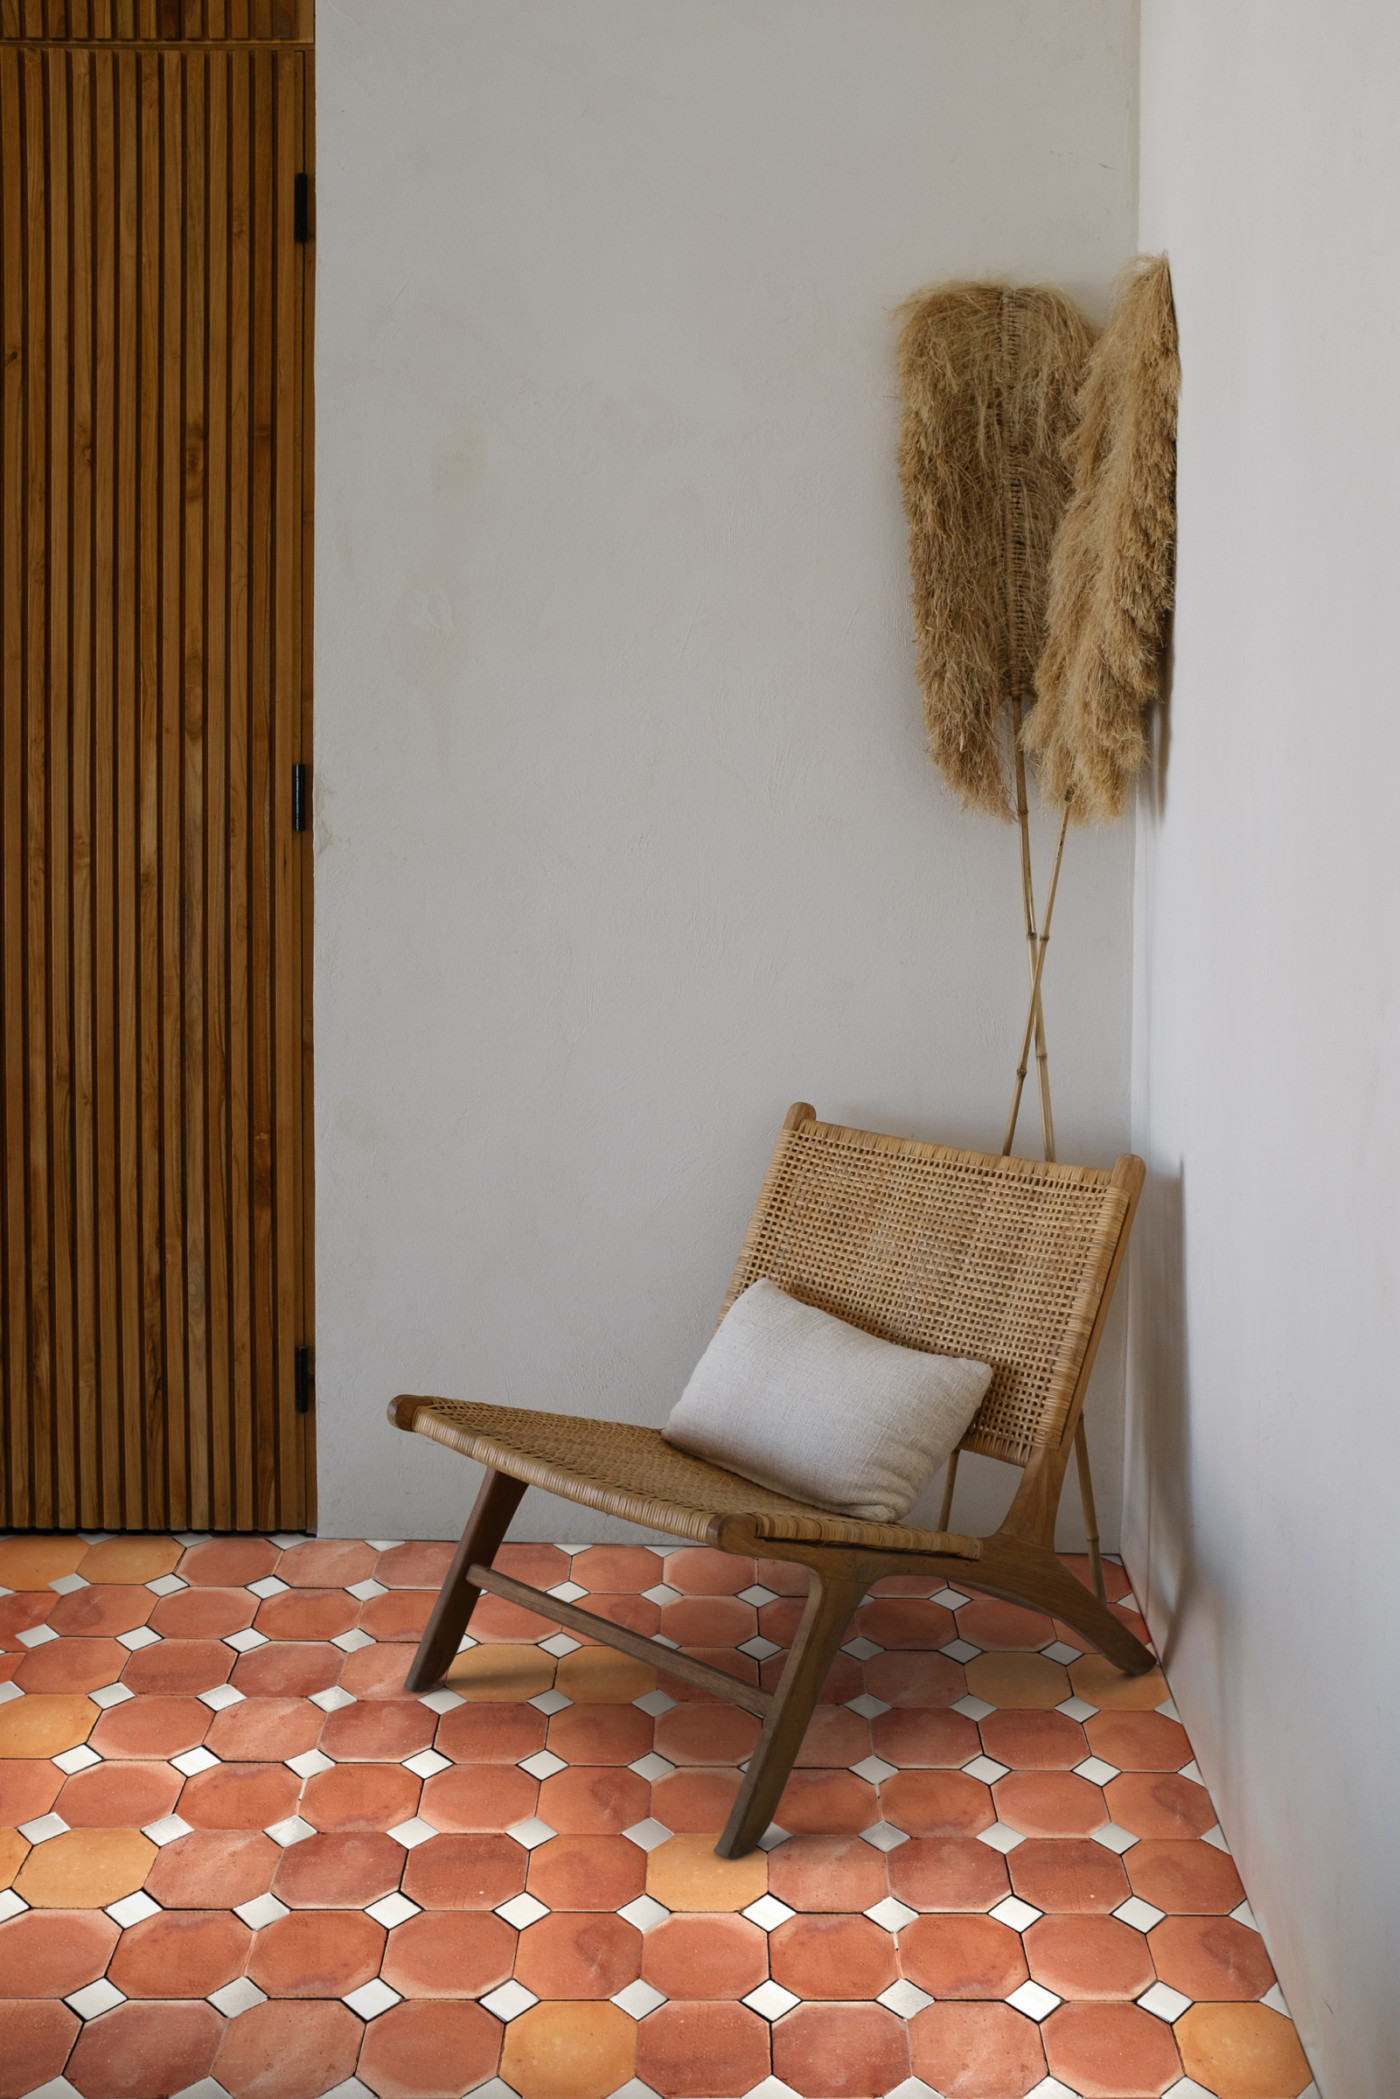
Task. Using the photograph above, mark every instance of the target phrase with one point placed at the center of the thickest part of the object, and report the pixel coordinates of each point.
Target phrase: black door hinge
(301, 208)
(305, 1378)
(301, 795)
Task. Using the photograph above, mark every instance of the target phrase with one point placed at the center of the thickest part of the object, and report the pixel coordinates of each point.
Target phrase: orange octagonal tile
(840, 2051)
(429, 2050)
(85, 1869)
(1242, 2051)
(569, 2051)
(181, 1953)
(696, 2050)
(1110, 2051)
(976, 2051)
(449, 1953)
(578, 1953)
(960, 1956)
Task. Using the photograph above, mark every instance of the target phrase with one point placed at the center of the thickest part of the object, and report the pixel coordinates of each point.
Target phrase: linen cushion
(799, 1401)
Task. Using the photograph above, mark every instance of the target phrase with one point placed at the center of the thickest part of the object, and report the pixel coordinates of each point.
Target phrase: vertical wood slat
(153, 900)
(158, 21)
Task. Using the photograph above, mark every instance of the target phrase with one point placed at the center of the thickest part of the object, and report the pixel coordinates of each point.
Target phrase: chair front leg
(486, 1527)
(831, 1604)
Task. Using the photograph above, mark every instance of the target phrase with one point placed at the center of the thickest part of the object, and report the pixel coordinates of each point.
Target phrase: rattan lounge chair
(1012, 1261)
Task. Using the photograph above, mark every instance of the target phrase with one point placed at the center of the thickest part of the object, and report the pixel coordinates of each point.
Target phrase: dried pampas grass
(989, 377)
(1114, 559)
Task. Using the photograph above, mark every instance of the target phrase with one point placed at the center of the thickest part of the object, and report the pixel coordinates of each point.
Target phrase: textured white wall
(625, 836)
(1265, 1444)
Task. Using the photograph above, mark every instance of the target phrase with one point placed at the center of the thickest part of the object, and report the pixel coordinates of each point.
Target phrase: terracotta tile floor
(238, 1859)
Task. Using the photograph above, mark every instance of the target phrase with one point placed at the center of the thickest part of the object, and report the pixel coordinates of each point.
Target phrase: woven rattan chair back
(960, 1253)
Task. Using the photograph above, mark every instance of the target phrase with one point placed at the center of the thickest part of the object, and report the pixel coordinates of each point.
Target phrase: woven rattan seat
(1011, 1261)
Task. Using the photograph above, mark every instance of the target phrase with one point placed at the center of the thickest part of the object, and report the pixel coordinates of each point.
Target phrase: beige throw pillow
(796, 1400)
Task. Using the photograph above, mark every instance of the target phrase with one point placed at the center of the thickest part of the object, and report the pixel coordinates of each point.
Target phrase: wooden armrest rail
(751, 1696)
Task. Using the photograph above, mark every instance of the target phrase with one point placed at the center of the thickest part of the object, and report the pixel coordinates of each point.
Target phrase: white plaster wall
(1265, 1445)
(625, 837)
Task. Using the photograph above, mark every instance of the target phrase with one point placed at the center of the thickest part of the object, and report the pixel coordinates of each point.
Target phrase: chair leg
(831, 1604)
(486, 1526)
(1086, 1502)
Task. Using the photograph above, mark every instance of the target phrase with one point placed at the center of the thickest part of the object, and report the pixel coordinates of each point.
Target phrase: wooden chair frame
(633, 1472)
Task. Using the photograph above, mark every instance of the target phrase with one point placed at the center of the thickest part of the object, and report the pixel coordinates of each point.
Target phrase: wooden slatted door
(154, 907)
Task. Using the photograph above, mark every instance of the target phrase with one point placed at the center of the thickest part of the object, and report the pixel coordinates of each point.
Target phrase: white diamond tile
(915, 2088)
(334, 1700)
(139, 1636)
(1096, 1770)
(867, 1705)
(1034, 2000)
(237, 1996)
(1061, 1651)
(532, 1831)
(383, 1544)
(974, 1708)
(42, 1828)
(1216, 1836)
(662, 1641)
(874, 1768)
(167, 1585)
(110, 1694)
(647, 1834)
(268, 1586)
(194, 1761)
(771, 2088)
(960, 1651)
(1164, 2003)
(351, 1642)
(951, 1599)
(654, 1702)
(652, 1767)
(1276, 2001)
(768, 1913)
(1187, 2088)
(1243, 1914)
(428, 1763)
(293, 1830)
(645, 1912)
(132, 1909)
(363, 1591)
(1141, 1915)
(285, 1540)
(80, 1759)
(68, 1584)
(757, 1595)
(904, 1998)
(167, 1830)
(638, 1999)
(987, 1769)
(1019, 1915)
(555, 1701)
(662, 1593)
(523, 1910)
(1113, 1838)
(189, 1538)
(884, 1836)
(413, 1832)
(1168, 1709)
(466, 1643)
(770, 2000)
(1048, 2088)
(220, 1695)
(492, 2089)
(1001, 1837)
(510, 2000)
(40, 1636)
(891, 1914)
(567, 1592)
(759, 1647)
(13, 1905)
(11, 1689)
(98, 1997)
(1077, 1709)
(560, 1644)
(207, 2088)
(261, 1911)
(862, 1649)
(1193, 1772)
(95, 1537)
(391, 1910)
(372, 1998)
(310, 1762)
(245, 1641)
(773, 1836)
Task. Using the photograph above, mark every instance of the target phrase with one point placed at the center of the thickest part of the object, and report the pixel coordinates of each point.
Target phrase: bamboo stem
(1091, 1521)
(949, 1481)
(1023, 820)
(1041, 946)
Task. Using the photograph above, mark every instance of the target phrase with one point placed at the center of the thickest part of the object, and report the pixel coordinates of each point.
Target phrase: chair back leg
(831, 1604)
(486, 1527)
